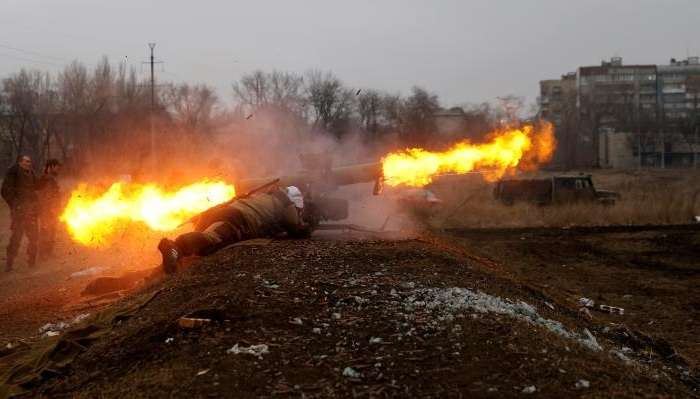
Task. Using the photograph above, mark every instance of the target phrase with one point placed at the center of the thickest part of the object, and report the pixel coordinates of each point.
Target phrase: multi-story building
(679, 89)
(653, 102)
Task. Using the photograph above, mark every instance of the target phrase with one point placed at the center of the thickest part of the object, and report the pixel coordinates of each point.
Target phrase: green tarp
(26, 365)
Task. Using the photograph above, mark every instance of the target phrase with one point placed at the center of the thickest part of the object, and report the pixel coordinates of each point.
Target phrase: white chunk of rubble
(457, 300)
(583, 384)
(351, 373)
(255, 350)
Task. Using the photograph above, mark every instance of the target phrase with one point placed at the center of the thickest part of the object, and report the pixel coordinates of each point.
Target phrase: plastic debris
(297, 321)
(52, 333)
(335, 316)
(612, 309)
(376, 340)
(351, 373)
(202, 372)
(529, 389)
(255, 350)
(583, 384)
(316, 330)
(189, 322)
(586, 302)
(169, 340)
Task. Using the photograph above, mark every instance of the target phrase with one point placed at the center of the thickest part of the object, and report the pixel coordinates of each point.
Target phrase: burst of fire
(511, 149)
(92, 218)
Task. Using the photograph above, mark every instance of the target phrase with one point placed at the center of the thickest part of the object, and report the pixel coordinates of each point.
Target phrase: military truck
(553, 190)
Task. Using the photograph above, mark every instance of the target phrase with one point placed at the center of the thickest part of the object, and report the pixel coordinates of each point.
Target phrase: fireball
(512, 149)
(92, 218)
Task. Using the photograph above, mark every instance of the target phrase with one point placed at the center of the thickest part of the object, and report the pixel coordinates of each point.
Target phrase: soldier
(259, 215)
(50, 207)
(19, 191)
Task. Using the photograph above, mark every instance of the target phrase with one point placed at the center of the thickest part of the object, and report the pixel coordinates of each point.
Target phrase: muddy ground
(375, 316)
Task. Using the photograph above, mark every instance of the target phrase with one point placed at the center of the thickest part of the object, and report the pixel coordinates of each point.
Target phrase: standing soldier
(19, 191)
(50, 207)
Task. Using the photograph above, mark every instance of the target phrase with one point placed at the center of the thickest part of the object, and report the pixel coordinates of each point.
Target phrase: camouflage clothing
(19, 191)
(261, 215)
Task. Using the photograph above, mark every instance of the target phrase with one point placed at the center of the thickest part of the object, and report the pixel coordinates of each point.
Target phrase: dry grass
(648, 197)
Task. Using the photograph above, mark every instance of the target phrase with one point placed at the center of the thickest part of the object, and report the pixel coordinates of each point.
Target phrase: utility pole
(152, 116)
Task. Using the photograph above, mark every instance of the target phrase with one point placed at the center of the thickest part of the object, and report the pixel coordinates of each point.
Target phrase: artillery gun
(317, 180)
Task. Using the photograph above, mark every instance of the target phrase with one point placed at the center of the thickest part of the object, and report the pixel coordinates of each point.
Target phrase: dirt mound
(319, 318)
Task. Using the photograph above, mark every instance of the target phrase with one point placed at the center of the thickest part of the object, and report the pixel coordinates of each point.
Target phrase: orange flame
(92, 218)
(521, 148)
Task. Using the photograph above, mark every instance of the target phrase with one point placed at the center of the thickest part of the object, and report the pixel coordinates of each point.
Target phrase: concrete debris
(255, 350)
(456, 300)
(583, 384)
(351, 373)
(586, 302)
(529, 389)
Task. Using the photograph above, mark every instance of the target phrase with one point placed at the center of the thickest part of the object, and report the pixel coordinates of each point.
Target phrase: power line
(34, 53)
(30, 60)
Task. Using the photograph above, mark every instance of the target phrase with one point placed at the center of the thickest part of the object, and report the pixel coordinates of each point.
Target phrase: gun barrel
(324, 178)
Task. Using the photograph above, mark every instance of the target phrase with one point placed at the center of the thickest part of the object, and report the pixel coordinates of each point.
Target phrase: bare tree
(331, 104)
(191, 107)
(418, 116)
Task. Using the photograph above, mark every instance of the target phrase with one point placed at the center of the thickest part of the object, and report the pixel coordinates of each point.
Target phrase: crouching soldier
(19, 192)
(259, 215)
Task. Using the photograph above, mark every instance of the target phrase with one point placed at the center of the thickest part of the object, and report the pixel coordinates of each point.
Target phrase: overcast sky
(465, 51)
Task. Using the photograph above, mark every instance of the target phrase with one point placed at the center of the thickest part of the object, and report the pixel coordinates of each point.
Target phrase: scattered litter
(549, 305)
(360, 300)
(316, 330)
(255, 350)
(408, 285)
(583, 384)
(529, 389)
(9, 345)
(335, 316)
(270, 284)
(189, 322)
(88, 272)
(351, 373)
(451, 300)
(80, 318)
(612, 309)
(202, 372)
(375, 340)
(52, 333)
(296, 321)
(53, 327)
(586, 302)
(169, 340)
